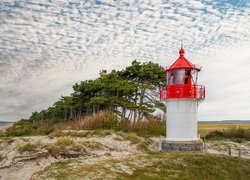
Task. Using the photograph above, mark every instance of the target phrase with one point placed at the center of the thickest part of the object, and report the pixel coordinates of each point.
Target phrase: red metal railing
(163, 95)
(183, 91)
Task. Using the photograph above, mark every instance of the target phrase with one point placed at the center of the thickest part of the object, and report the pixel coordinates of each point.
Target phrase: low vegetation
(233, 133)
(63, 146)
(64, 142)
(104, 120)
(204, 129)
(81, 133)
(1, 157)
(152, 166)
(153, 126)
(119, 100)
(27, 128)
(29, 147)
(132, 93)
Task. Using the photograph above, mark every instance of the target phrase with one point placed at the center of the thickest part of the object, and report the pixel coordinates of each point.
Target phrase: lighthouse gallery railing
(183, 91)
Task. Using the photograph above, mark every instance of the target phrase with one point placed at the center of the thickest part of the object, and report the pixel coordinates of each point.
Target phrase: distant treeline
(132, 93)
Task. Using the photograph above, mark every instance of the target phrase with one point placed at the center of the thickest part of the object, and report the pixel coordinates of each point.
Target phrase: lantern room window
(182, 76)
(194, 74)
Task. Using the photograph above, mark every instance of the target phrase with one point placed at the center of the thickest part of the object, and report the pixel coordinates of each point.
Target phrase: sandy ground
(222, 147)
(22, 166)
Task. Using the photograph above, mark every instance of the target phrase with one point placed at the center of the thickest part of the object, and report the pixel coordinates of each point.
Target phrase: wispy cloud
(46, 46)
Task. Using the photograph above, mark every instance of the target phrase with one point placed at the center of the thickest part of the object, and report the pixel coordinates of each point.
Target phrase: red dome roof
(182, 63)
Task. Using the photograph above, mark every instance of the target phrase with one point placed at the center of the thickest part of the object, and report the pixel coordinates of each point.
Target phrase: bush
(152, 126)
(21, 128)
(230, 133)
(27, 128)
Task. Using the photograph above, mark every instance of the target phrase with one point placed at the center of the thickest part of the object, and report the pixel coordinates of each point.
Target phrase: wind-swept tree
(131, 93)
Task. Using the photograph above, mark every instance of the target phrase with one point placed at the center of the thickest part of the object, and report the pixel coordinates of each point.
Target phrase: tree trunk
(129, 115)
(135, 101)
(140, 115)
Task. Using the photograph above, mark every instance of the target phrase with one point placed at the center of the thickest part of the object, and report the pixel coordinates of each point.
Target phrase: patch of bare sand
(222, 147)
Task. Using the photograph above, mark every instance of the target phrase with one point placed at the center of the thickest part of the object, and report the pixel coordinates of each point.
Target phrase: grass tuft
(64, 142)
(1, 157)
(29, 147)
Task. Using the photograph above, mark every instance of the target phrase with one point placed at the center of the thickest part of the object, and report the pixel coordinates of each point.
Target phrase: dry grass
(98, 121)
(222, 126)
(108, 120)
(204, 129)
(81, 133)
(234, 133)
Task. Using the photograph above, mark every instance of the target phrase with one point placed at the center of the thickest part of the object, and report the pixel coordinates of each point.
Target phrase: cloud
(47, 46)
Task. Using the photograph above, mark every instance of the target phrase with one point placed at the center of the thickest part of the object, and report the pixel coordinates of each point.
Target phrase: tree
(132, 93)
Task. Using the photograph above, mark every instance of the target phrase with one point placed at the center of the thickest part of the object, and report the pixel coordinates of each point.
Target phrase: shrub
(27, 128)
(151, 126)
(230, 133)
(53, 149)
(21, 128)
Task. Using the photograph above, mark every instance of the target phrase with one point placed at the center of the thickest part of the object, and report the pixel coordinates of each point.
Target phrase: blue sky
(47, 45)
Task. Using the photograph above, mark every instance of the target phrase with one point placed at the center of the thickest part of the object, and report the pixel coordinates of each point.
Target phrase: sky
(46, 46)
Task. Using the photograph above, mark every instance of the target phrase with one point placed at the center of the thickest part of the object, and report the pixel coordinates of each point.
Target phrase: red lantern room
(181, 80)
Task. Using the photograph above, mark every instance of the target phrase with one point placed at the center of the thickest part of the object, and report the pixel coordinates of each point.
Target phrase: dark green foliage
(21, 128)
(132, 94)
(27, 128)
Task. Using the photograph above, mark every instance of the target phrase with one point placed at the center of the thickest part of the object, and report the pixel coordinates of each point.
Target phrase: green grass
(152, 166)
(1, 157)
(6, 138)
(60, 145)
(29, 147)
(64, 142)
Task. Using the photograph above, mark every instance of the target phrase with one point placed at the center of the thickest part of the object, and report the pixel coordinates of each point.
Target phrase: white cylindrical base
(182, 119)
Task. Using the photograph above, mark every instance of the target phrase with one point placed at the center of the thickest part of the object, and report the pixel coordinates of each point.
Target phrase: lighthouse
(182, 95)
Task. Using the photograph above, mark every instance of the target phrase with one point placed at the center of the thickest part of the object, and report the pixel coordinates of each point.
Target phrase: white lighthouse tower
(182, 96)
